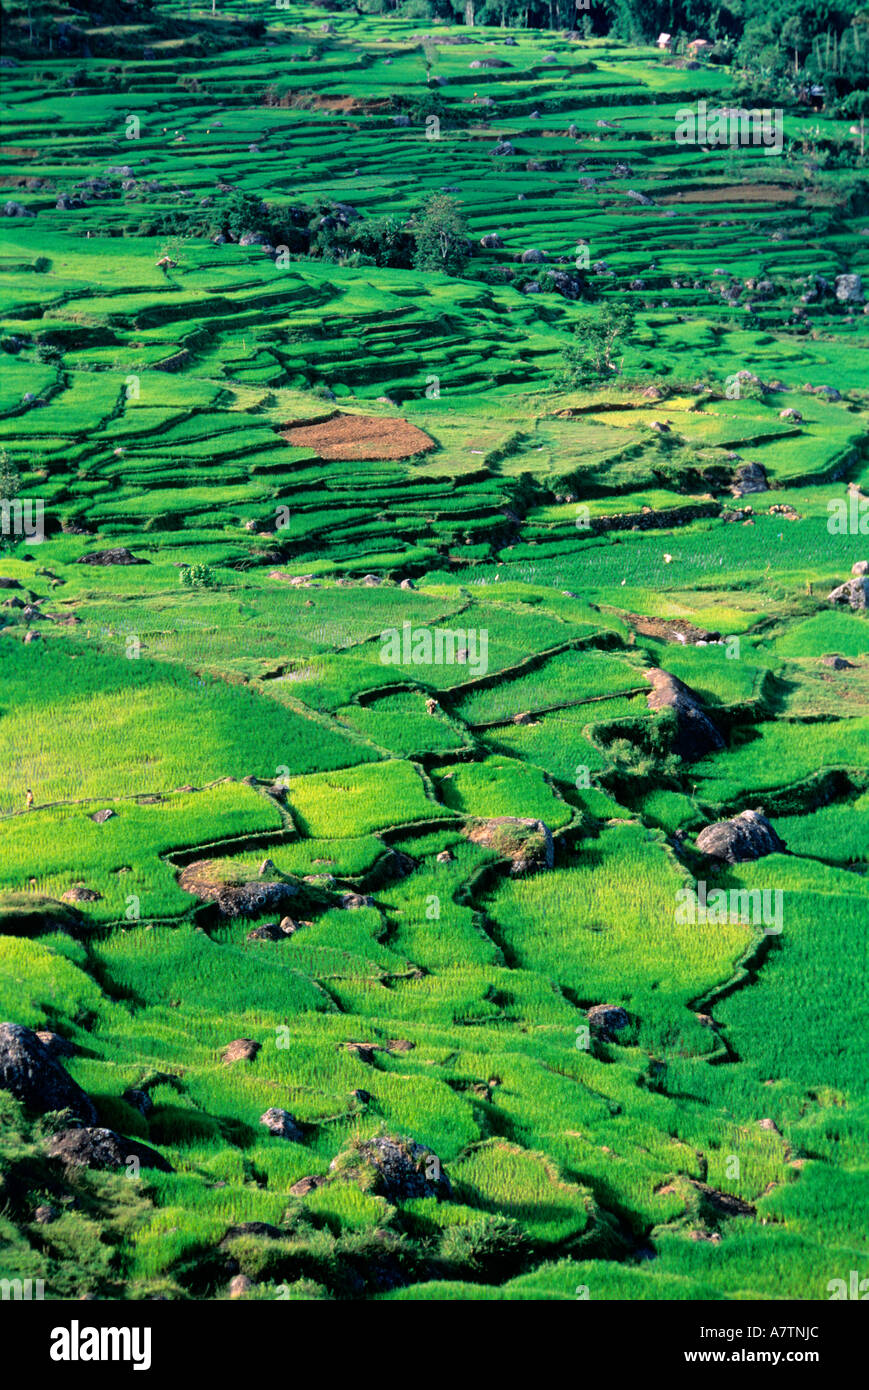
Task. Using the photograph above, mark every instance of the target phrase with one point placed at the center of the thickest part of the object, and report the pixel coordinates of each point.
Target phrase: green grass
(359, 800)
(156, 426)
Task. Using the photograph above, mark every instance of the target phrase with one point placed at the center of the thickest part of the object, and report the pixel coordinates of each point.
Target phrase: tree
(384, 240)
(10, 478)
(441, 236)
(429, 56)
(10, 486)
(597, 338)
(795, 39)
(242, 212)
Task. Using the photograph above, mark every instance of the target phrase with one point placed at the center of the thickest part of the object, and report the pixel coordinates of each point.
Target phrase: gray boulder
(696, 734)
(92, 1147)
(398, 1168)
(854, 592)
(240, 1050)
(749, 477)
(31, 1073)
(139, 1099)
(746, 836)
(282, 1124)
(608, 1019)
(118, 556)
(849, 289)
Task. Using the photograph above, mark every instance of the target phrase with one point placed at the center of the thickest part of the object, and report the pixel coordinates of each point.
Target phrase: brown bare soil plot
(738, 193)
(359, 437)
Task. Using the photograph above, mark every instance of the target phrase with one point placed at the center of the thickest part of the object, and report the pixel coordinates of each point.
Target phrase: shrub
(493, 1245)
(197, 577)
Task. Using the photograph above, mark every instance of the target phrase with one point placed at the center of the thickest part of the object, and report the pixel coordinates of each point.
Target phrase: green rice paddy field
(234, 695)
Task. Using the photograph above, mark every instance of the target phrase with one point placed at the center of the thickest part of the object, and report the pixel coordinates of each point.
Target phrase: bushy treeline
(825, 41)
(777, 42)
(433, 238)
(110, 29)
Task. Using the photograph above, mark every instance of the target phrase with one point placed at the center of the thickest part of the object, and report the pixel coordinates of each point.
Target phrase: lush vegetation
(387, 376)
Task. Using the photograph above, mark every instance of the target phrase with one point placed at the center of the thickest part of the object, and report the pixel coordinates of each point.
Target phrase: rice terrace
(434, 654)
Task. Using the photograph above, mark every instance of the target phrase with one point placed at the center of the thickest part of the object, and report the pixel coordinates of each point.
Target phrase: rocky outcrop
(31, 1073)
(749, 478)
(675, 630)
(838, 663)
(365, 1050)
(526, 842)
(714, 1204)
(696, 734)
(92, 1147)
(271, 931)
(394, 1167)
(240, 1050)
(245, 899)
(55, 1044)
(352, 901)
(849, 289)
(79, 894)
(140, 1100)
(118, 556)
(746, 836)
(307, 1184)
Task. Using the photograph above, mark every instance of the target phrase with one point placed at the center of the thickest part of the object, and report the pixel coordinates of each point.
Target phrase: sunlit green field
(232, 698)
